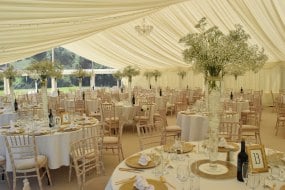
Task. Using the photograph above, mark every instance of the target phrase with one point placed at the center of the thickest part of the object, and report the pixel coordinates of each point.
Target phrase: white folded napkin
(142, 184)
(144, 159)
(223, 142)
(72, 125)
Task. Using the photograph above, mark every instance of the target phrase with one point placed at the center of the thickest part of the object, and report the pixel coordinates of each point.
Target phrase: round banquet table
(55, 146)
(5, 118)
(170, 176)
(194, 127)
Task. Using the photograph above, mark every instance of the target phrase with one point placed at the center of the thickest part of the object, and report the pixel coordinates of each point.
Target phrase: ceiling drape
(28, 27)
(103, 30)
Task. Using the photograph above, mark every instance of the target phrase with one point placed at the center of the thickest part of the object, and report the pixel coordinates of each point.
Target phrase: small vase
(214, 107)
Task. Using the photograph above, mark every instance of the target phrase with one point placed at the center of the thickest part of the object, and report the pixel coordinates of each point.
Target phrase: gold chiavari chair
(114, 143)
(86, 157)
(25, 160)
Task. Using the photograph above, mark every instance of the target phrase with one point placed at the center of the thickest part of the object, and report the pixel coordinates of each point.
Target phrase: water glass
(245, 172)
(190, 173)
(182, 173)
(253, 180)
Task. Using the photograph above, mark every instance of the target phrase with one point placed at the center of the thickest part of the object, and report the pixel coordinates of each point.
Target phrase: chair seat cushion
(173, 128)
(112, 119)
(249, 127)
(110, 140)
(141, 118)
(29, 163)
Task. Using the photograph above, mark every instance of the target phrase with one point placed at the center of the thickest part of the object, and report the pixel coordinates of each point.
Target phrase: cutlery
(131, 170)
(127, 180)
(163, 180)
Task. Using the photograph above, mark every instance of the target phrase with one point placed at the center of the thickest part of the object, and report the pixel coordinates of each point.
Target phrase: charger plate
(233, 147)
(230, 172)
(133, 163)
(187, 147)
(158, 185)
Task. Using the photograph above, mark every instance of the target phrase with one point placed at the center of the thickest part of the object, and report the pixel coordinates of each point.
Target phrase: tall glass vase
(80, 83)
(130, 91)
(44, 101)
(12, 95)
(214, 87)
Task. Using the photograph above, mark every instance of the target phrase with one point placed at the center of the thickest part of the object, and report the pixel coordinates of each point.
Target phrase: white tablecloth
(55, 146)
(205, 184)
(193, 127)
(5, 118)
(92, 105)
(126, 113)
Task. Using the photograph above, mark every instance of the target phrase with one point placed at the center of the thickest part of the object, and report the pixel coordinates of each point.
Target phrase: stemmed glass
(250, 179)
(253, 180)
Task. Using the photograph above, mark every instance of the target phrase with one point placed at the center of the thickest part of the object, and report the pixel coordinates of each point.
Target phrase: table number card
(65, 118)
(257, 159)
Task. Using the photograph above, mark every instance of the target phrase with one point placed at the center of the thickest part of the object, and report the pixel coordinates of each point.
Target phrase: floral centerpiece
(43, 70)
(10, 73)
(181, 74)
(80, 74)
(148, 75)
(118, 75)
(156, 74)
(215, 54)
(130, 72)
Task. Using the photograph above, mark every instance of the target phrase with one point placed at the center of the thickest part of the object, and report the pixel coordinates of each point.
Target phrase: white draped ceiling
(103, 30)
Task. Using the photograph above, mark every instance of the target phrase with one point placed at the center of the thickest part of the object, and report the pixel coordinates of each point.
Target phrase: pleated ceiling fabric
(103, 30)
(121, 45)
(28, 27)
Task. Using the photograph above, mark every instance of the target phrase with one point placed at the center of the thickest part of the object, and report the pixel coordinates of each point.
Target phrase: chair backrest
(149, 136)
(230, 131)
(95, 130)
(86, 155)
(21, 147)
(252, 118)
(107, 110)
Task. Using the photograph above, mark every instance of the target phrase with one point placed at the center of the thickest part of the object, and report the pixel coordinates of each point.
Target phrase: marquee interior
(103, 31)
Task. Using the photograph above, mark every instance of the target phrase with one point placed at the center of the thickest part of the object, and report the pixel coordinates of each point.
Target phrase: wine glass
(253, 180)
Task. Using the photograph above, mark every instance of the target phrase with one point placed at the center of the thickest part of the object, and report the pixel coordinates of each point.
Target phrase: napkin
(12, 127)
(142, 184)
(144, 159)
(223, 142)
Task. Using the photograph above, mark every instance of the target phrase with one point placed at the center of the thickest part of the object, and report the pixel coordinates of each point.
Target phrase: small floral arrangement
(148, 74)
(156, 74)
(182, 74)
